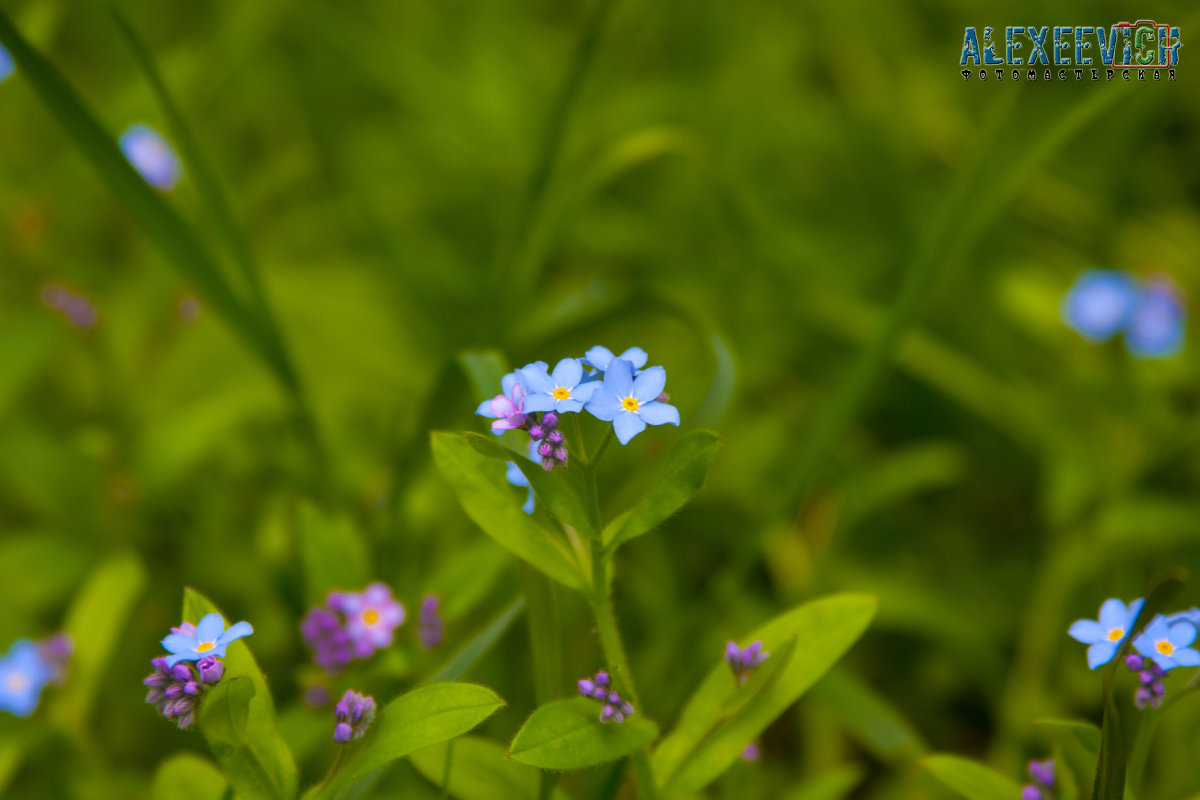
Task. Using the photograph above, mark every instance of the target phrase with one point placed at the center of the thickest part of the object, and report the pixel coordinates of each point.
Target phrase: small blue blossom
(1106, 635)
(1156, 326)
(1168, 645)
(1100, 303)
(210, 638)
(23, 674)
(598, 358)
(151, 156)
(562, 391)
(7, 67)
(630, 405)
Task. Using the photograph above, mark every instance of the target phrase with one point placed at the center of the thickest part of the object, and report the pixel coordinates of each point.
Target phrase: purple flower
(210, 669)
(1156, 326)
(508, 407)
(744, 662)
(751, 752)
(353, 714)
(1031, 792)
(1100, 303)
(23, 675)
(174, 690)
(431, 629)
(372, 617)
(151, 156)
(56, 651)
(209, 638)
(612, 708)
(599, 357)
(328, 638)
(1168, 645)
(1106, 634)
(76, 308)
(562, 391)
(1042, 772)
(632, 404)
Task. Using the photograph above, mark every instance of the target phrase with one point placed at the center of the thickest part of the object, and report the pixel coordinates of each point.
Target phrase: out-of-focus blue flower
(508, 407)
(1192, 615)
(1156, 327)
(152, 156)
(1106, 635)
(7, 67)
(599, 358)
(23, 675)
(560, 391)
(1100, 303)
(1168, 645)
(353, 715)
(210, 638)
(630, 405)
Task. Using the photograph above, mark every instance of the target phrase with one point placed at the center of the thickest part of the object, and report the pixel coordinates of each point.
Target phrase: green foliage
(237, 718)
(971, 780)
(479, 483)
(186, 776)
(421, 718)
(716, 724)
(331, 552)
(568, 734)
(479, 770)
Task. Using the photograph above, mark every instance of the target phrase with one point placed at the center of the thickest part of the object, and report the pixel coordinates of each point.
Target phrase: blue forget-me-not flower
(563, 390)
(1156, 326)
(151, 156)
(7, 66)
(23, 675)
(1100, 303)
(599, 358)
(629, 404)
(1106, 634)
(210, 638)
(1168, 645)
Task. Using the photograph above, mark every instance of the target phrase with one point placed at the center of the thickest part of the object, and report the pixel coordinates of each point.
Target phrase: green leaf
(187, 776)
(971, 780)
(834, 784)
(682, 478)
(473, 650)
(240, 726)
(563, 491)
(568, 734)
(1078, 749)
(488, 499)
(1083, 733)
(332, 553)
(96, 623)
(479, 770)
(705, 742)
(485, 369)
(422, 718)
(877, 724)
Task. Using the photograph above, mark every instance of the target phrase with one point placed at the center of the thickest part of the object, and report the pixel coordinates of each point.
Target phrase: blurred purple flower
(743, 662)
(151, 156)
(328, 638)
(75, 308)
(612, 708)
(372, 617)
(431, 629)
(353, 715)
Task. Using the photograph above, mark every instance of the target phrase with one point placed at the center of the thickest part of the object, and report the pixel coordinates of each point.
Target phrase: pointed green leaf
(258, 764)
(563, 490)
(96, 624)
(187, 776)
(706, 742)
(422, 718)
(568, 734)
(479, 770)
(332, 553)
(971, 780)
(835, 784)
(877, 723)
(682, 478)
(479, 484)
(473, 650)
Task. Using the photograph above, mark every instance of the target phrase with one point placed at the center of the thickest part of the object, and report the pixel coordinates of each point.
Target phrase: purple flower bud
(155, 695)
(192, 688)
(174, 690)
(1133, 662)
(355, 712)
(431, 629)
(211, 670)
(1031, 792)
(663, 398)
(602, 678)
(185, 719)
(537, 432)
(555, 436)
(550, 419)
(549, 463)
(342, 732)
(751, 752)
(545, 449)
(743, 662)
(1043, 772)
(1158, 688)
(586, 687)
(1158, 671)
(1142, 697)
(181, 672)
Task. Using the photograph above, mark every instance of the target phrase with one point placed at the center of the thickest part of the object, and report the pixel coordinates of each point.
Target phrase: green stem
(600, 448)
(337, 764)
(444, 792)
(1141, 750)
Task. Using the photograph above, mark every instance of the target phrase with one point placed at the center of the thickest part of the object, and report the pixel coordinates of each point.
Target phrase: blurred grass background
(758, 194)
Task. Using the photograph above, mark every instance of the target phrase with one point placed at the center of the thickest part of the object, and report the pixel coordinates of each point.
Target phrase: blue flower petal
(536, 380)
(568, 406)
(598, 357)
(1100, 303)
(528, 507)
(567, 373)
(627, 425)
(1087, 631)
(659, 413)
(209, 628)
(584, 391)
(635, 356)
(1156, 327)
(178, 643)
(604, 405)
(540, 401)
(1187, 657)
(1113, 614)
(485, 409)
(1101, 653)
(237, 631)
(1181, 634)
(618, 378)
(650, 384)
(514, 475)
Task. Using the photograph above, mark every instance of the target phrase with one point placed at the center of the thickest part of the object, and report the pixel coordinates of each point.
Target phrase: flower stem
(1141, 750)
(337, 764)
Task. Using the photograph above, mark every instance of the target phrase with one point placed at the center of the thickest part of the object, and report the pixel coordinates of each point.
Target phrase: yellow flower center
(204, 647)
(561, 393)
(1165, 647)
(1115, 635)
(16, 682)
(370, 616)
(630, 404)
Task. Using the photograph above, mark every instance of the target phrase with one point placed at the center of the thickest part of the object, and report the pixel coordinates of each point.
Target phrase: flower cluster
(352, 625)
(28, 667)
(599, 687)
(431, 628)
(353, 714)
(1150, 689)
(151, 156)
(176, 687)
(1042, 787)
(1151, 313)
(611, 388)
(743, 662)
(1163, 645)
